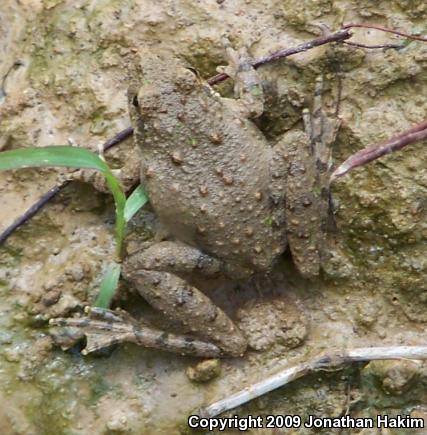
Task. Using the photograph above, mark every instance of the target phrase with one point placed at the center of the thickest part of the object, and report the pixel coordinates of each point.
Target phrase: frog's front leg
(153, 273)
(308, 213)
(247, 83)
(128, 175)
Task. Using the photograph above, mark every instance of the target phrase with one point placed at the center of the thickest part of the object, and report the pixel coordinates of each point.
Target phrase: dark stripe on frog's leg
(118, 327)
(175, 258)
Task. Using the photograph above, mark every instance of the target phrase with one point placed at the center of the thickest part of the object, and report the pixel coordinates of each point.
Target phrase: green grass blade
(108, 286)
(60, 155)
(136, 200)
(73, 157)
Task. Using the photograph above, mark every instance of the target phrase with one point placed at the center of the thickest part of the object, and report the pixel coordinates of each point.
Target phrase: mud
(67, 65)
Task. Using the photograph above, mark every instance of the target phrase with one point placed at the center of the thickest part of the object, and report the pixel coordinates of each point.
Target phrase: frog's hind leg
(152, 272)
(307, 188)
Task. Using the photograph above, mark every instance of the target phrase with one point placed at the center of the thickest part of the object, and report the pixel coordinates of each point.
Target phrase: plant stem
(328, 361)
(366, 155)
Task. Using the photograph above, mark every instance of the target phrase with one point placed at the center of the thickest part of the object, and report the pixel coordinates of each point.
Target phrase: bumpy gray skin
(207, 168)
(228, 200)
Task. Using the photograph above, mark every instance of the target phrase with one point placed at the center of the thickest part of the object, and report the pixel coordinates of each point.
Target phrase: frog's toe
(320, 127)
(235, 346)
(102, 328)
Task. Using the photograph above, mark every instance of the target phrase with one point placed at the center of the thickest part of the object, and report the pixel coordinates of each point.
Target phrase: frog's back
(207, 173)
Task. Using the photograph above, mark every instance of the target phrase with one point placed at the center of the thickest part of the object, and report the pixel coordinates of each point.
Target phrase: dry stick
(366, 155)
(384, 46)
(340, 35)
(328, 361)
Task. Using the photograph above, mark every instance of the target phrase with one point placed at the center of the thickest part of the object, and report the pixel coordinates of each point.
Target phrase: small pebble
(204, 371)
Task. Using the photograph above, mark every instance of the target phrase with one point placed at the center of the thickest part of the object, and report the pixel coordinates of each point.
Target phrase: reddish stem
(385, 29)
(366, 155)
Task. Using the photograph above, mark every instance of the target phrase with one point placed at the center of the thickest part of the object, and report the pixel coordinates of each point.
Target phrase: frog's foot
(308, 213)
(128, 175)
(247, 83)
(322, 131)
(104, 328)
(153, 273)
(93, 177)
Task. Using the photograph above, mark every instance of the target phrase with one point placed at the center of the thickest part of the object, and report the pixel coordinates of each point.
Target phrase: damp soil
(66, 66)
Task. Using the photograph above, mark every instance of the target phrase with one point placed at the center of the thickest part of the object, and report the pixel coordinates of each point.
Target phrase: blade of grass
(108, 286)
(73, 157)
(60, 155)
(136, 200)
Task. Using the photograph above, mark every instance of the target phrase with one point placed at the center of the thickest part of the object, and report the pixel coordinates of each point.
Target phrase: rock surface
(66, 65)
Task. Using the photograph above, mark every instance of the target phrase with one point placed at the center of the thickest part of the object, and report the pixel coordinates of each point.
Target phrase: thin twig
(119, 137)
(328, 361)
(384, 46)
(366, 155)
(32, 210)
(385, 29)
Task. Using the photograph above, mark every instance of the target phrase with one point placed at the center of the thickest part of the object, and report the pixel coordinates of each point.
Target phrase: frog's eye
(135, 101)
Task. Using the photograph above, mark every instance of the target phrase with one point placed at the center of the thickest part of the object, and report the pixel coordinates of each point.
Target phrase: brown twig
(119, 137)
(385, 29)
(366, 155)
(328, 361)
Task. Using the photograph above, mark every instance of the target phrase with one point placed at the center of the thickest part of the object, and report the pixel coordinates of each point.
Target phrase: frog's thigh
(177, 299)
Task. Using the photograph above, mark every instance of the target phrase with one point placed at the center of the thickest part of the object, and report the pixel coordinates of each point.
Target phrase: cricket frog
(230, 201)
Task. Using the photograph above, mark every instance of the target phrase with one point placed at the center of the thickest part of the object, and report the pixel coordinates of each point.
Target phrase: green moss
(98, 388)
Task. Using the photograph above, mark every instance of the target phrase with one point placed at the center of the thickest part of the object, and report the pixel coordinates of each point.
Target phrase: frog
(229, 202)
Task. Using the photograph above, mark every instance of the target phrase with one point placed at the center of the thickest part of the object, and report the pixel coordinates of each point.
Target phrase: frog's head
(163, 83)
